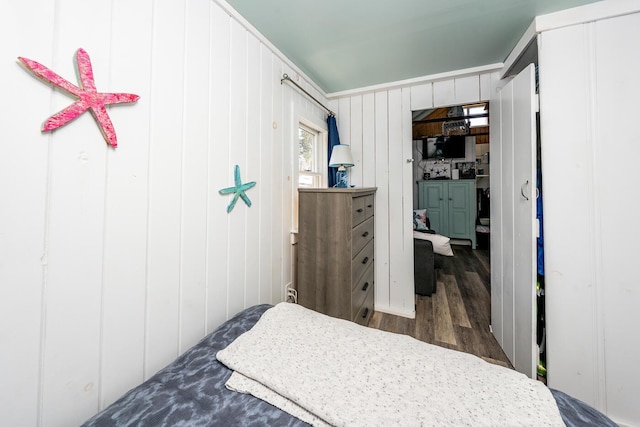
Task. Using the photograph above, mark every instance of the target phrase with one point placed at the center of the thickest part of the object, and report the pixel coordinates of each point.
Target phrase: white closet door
(524, 216)
(513, 275)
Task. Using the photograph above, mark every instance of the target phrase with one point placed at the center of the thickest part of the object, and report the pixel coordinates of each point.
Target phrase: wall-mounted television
(450, 147)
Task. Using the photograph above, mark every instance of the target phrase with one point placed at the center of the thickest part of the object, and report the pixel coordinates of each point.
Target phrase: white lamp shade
(341, 156)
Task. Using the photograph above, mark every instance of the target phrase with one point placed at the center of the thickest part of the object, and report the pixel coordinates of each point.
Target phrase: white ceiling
(349, 44)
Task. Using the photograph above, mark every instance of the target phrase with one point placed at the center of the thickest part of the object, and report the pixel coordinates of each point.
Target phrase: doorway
(451, 148)
(452, 143)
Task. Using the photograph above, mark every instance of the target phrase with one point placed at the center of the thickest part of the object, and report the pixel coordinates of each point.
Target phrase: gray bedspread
(576, 413)
(191, 392)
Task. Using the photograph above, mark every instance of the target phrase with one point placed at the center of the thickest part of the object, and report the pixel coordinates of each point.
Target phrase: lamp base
(342, 179)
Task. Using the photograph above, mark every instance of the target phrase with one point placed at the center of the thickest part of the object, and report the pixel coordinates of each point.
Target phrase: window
(476, 109)
(309, 151)
(312, 161)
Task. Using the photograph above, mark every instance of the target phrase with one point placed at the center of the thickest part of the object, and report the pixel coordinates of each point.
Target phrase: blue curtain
(539, 216)
(334, 139)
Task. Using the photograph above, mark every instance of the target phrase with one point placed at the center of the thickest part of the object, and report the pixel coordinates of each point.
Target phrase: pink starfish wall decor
(88, 97)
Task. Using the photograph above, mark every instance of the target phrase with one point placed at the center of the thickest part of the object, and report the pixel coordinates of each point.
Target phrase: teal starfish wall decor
(238, 190)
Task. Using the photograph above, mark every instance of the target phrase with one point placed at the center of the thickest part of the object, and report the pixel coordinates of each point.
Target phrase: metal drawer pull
(365, 260)
(365, 234)
(369, 206)
(366, 313)
(366, 285)
(359, 210)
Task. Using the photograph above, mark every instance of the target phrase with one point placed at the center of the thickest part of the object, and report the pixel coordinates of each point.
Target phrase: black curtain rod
(422, 138)
(451, 119)
(285, 76)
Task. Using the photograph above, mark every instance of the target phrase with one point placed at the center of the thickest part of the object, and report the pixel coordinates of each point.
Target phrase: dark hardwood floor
(458, 314)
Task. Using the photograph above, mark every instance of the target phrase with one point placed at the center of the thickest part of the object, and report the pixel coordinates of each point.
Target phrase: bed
(193, 389)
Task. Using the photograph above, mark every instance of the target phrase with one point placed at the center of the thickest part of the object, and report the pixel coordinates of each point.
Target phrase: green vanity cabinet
(451, 207)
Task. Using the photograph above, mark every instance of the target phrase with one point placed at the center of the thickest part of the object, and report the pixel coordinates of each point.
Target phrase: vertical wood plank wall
(378, 127)
(113, 262)
(591, 205)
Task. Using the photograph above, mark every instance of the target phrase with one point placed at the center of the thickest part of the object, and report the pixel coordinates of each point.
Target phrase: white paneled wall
(589, 79)
(378, 127)
(113, 262)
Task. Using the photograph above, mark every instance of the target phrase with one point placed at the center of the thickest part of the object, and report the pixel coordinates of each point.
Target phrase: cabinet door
(432, 198)
(460, 203)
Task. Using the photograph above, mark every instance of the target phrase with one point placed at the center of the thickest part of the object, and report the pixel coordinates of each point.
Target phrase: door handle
(522, 188)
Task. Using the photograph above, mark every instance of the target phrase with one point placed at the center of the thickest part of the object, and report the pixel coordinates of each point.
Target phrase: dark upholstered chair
(424, 271)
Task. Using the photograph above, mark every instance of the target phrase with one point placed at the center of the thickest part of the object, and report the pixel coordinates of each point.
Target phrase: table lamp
(341, 159)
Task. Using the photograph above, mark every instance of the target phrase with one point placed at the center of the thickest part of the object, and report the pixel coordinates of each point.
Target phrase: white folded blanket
(344, 374)
(441, 244)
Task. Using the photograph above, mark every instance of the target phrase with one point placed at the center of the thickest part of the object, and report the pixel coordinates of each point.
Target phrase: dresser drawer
(359, 210)
(361, 261)
(360, 236)
(369, 206)
(366, 311)
(362, 288)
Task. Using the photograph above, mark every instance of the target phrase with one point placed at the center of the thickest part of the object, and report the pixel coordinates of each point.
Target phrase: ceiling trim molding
(519, 48)
(253, 30)
(568, 17)
(586, 13)
(418, 80)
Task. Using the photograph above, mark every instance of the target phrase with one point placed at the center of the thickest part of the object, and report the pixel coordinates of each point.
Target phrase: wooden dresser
(335, 251)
